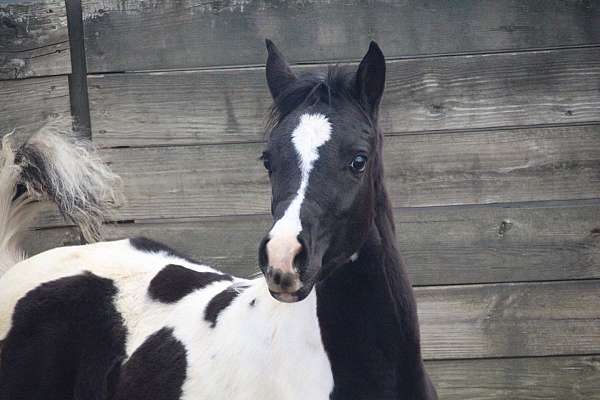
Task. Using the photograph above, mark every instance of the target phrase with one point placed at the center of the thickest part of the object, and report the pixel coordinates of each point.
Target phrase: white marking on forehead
(312, 132)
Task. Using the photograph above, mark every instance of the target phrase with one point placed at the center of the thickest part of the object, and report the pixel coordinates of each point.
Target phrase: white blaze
(312, 132)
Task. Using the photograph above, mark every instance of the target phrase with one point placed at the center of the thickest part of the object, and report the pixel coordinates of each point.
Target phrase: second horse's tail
(52, 166)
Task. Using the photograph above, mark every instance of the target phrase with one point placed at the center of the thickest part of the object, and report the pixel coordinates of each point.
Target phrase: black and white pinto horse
(333, 318)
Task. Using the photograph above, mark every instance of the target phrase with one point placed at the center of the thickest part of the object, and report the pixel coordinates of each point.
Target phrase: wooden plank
(179, 108)
(494, 167)
(39, 240)
(33, 38)
(441, 93)
(421, 170)
(194, 34)
(25, 105)
(557, 378)
(452, 245)
(441, 245)
(509, 320)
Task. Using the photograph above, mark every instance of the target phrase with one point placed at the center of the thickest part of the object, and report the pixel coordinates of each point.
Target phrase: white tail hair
(52, 166)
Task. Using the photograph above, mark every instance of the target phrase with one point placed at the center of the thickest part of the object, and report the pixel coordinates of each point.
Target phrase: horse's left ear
(279, 74)
(370, 79)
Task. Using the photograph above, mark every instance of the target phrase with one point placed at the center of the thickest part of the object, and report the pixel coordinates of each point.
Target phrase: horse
(333, 317)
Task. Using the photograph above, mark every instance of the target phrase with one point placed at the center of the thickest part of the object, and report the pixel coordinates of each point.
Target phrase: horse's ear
(370, 79)
(279, 74)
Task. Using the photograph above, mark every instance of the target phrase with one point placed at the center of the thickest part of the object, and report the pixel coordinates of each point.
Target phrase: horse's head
(323, 159)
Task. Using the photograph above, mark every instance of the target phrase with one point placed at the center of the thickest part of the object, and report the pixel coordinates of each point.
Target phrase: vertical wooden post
(78, 90)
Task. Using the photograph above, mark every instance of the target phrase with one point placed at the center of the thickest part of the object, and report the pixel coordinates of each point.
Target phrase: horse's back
(69, 315)
(133, 319)
(109, 260)
(130, 264)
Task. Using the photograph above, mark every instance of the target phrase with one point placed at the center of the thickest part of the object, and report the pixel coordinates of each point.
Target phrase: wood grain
(421, 170)
(507, 320)
(430, 94)
(494, 167)
(441, 245)
(548, 378)
(182, 34)
(34, 39)
(25, 105)
(179, 108)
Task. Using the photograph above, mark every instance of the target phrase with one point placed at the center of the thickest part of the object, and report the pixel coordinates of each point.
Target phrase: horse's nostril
(263, 259)
(286, 281)
(277, 277)
(300, 260)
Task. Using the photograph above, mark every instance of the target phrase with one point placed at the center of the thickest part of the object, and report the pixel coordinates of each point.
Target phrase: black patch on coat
(174, 282)
(367, 315)
(156, 370)
(66, 340)
(151, 246)
(220, 302)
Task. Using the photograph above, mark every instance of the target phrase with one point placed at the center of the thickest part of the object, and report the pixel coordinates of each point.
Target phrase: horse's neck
(369, 326)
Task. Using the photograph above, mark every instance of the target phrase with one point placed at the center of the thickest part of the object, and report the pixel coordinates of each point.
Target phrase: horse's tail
(52, 166)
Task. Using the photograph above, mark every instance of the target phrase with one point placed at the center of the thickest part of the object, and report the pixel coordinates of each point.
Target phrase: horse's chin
(292, 297)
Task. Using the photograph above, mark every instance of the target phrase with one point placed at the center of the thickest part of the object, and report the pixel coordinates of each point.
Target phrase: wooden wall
(492, 116)
(34, 63)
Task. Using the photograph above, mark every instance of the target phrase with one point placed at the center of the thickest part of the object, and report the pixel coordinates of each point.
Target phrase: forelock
(311, 89)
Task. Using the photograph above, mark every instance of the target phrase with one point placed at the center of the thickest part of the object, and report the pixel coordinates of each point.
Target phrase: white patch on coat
(313, 131)
(254, 351)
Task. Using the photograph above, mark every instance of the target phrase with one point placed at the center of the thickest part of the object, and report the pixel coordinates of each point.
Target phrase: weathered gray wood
(422, 170)
(178, 108)
(181, 34)
(494, 167)
(506, 320)
(441, 245)
(499, 243)
(499, 90)
(550, 378)
(33, 38)
(25, 105)
(37, 241)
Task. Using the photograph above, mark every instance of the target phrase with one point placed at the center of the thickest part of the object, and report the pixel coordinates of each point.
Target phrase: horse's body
(132, 319)
(250, 347)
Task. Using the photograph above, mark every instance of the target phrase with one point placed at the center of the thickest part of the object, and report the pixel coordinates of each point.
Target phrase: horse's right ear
(279, 74)
(370, 79)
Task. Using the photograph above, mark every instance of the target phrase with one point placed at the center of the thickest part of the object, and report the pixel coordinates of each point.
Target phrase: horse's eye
(266, 161)
(359, 164)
